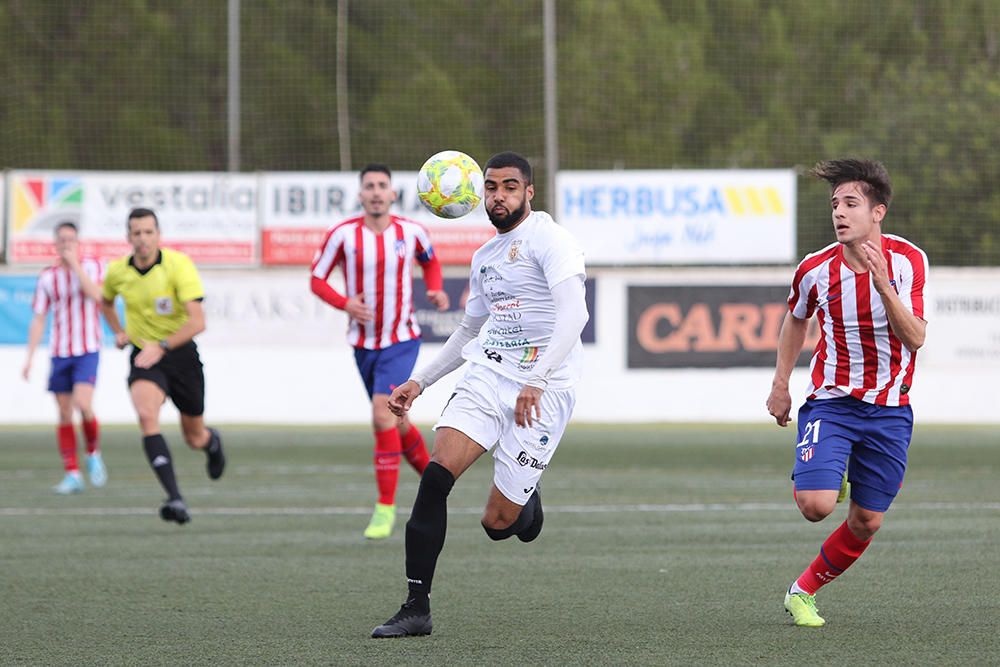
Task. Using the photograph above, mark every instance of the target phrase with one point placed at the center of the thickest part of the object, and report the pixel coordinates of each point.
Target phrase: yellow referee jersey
(154, 298)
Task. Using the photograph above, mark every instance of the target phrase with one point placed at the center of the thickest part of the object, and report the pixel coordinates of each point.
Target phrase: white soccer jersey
(858, 354)
(380, 266)
(76, 321)
(511, 278)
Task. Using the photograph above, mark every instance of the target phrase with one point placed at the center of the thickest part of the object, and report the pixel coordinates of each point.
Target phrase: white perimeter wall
(274, 354)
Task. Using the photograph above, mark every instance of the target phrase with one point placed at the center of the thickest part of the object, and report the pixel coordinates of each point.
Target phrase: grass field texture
(663, 544)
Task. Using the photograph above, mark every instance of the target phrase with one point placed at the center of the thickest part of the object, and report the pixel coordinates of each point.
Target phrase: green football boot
(380, 527)
(845, 489)
(802, 607)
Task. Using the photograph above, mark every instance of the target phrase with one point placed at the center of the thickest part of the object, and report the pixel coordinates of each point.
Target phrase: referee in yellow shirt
(163, 313)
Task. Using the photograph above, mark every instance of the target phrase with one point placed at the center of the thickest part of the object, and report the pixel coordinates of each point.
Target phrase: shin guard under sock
(387, 454)
(425, 531)
(159, 459)
(67, 447)
(91, 434)
(415, 450)
(837, 554)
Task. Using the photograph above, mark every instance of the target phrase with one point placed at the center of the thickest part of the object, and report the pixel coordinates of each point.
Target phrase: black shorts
(179, 374)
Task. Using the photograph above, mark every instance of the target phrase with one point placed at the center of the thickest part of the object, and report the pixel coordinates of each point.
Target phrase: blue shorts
(384, 370)
(874, 437)
(69, 371)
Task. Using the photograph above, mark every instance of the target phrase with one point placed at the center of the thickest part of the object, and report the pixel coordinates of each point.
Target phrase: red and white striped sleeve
(330, 253)
(424, 253)
(912, 262)
(43, 293)
(802, 297)
(94, 268)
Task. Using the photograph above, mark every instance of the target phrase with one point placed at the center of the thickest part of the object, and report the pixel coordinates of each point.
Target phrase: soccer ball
(450, 184)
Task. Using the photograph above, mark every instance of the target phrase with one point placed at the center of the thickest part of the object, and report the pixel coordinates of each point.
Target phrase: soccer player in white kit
(521, 334)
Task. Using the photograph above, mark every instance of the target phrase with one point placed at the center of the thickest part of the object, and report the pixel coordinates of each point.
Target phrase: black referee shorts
(179, 374)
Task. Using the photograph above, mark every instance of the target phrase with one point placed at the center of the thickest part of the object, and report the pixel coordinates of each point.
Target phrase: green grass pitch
(663, 544)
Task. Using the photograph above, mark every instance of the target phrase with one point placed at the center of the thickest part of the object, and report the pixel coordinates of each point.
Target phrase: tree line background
(652, 84)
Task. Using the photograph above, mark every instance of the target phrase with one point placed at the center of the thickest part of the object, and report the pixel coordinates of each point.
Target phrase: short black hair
(377, 167)
(66, 223)
(872, 175)
(511, 159)
(140, 213)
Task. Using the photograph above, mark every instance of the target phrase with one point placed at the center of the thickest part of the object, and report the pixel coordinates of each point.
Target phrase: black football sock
(159, 459)
(523, 521)
(425, 531)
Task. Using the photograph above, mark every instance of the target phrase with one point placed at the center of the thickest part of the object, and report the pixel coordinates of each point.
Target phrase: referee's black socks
(159, 459)
(426, 528)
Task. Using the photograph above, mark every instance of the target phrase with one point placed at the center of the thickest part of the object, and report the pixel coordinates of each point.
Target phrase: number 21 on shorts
(810, 437)
(811, 434)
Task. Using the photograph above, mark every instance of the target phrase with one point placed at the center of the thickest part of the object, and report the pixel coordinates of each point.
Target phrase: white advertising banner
(298, 207)
(269, 308)
(275, 353)
(680, 217)
(963, 319)
(210, 216)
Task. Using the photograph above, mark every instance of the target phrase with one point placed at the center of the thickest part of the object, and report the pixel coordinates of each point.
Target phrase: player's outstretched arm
(790, 341)
(450, 356)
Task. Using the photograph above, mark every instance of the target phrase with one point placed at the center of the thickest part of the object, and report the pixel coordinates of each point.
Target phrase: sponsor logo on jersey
(493, 355)
(530, 461)
(505, 331)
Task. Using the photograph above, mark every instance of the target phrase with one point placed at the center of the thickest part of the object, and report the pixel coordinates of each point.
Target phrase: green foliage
(141, 84)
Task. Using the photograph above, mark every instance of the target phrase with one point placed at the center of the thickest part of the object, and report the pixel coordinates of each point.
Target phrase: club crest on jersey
(401, 248)
(805, 453)
(164, 305)
(515, 247)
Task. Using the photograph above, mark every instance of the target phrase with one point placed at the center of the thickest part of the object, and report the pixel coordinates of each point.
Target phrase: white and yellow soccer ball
(450, 184)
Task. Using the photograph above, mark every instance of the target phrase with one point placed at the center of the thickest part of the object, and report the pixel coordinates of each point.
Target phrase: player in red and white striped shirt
(867, 292)
(376, 251)
(71, 290)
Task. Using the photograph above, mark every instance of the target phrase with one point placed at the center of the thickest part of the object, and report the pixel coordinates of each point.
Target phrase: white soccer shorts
(483, 409)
